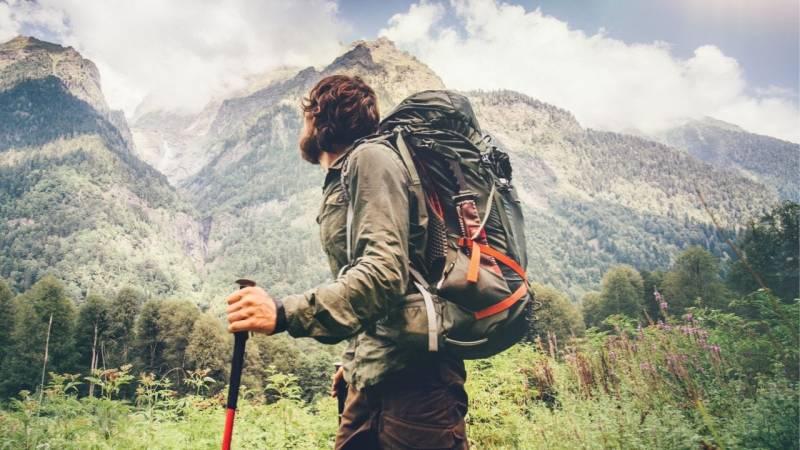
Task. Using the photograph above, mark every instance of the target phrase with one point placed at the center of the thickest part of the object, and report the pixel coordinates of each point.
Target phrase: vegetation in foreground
(708, 380)
(678, 359)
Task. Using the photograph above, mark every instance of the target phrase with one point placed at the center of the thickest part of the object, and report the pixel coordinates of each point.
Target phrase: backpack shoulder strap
(420, 224)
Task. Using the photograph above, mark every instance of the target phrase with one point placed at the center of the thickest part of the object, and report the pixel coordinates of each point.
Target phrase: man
(399, 397)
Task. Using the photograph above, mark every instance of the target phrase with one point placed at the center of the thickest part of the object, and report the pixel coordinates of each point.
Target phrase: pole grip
(237, 363)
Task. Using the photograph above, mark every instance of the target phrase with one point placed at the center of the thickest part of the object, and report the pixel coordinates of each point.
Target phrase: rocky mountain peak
(393, 73)
(27, 58)
(30, 42)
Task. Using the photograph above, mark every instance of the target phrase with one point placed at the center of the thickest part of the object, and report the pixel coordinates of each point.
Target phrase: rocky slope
(74, 200)
(772, 161)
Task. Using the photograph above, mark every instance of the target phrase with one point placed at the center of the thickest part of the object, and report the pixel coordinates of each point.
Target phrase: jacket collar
(336, 166)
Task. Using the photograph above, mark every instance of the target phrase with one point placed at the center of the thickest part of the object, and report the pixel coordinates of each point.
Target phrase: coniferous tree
(33, 312)
(591, 308)
(556, 314)
(209, 347)
(122, 312)
(6, 318)
(772, 248)
(90, 333)
(622, 292)
(177, 318)
(163, 329)
(147, 346)
(694, 281)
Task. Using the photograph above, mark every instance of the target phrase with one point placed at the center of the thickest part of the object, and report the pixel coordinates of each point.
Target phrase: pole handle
(237, 363)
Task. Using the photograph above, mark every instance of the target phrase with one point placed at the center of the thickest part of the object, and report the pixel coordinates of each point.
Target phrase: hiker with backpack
(424, 235)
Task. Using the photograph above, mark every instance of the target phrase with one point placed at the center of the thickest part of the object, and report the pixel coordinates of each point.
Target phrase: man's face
(309, 149)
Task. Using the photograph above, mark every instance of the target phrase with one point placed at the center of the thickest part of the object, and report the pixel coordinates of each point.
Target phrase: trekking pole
(240, 339)
(341, 391)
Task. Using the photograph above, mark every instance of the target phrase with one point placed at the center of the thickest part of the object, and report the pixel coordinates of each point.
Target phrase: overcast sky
(616, 64)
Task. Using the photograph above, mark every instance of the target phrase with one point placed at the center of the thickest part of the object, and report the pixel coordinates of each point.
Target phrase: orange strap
(503, 305)
(507, 302)
(474, 263)
(508, 262)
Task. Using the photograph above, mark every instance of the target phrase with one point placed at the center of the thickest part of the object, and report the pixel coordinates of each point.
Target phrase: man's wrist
(280, 317)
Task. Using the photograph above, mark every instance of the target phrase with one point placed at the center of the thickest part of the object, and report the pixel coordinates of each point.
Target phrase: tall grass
(701, 381)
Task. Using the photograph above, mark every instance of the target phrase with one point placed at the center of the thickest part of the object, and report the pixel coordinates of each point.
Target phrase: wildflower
(688, 317)
(663, 326)
(662, 304)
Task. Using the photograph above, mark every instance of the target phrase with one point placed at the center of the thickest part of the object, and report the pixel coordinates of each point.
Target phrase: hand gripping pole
(240, 339)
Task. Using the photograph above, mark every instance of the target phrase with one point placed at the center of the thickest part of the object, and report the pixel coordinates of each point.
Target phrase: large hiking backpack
(470, 275)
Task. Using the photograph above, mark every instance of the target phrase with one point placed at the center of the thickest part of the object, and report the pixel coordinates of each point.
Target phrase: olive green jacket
(356, 304)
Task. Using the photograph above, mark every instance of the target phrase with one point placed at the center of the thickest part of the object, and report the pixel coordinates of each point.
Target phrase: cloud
(178, 54)
(605, 82)
(14, 14)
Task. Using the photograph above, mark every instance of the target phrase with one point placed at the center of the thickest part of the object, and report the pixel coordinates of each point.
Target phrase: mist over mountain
(772, 161)
(233, 198)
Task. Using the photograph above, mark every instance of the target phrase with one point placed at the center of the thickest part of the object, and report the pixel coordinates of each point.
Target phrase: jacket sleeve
(379, 195)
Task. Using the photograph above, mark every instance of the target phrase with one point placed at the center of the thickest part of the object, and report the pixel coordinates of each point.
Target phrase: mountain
(242, 203)
(74, 199)
(174, 142)
(771, 161)
(592, 198)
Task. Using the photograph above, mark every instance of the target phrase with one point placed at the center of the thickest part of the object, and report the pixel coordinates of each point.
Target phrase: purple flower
(688, 317)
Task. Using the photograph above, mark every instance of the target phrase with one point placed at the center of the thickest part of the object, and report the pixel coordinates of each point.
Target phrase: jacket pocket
(407, 324)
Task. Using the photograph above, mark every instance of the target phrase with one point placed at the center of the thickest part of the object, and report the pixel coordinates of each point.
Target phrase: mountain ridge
(772, 161)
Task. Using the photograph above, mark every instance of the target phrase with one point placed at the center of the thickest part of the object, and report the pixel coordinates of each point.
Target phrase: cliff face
(27, 58)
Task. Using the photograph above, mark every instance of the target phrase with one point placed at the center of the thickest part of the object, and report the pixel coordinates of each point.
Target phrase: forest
(702, 353)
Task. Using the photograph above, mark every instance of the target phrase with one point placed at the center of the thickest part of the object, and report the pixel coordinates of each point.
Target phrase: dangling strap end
(474, 263)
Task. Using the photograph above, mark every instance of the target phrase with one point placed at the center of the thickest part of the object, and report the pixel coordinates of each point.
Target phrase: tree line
(46, 331)
(165, 338)
(696, 279)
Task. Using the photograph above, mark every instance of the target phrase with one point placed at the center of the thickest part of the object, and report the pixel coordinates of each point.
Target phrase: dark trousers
(419, 408)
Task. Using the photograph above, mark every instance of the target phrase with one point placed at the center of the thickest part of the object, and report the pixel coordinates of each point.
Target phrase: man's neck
(327, 158)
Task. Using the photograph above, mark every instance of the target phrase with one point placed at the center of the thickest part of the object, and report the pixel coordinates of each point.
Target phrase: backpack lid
(441, 109)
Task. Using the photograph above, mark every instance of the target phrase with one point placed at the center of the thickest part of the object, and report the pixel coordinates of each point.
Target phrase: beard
(309, 148)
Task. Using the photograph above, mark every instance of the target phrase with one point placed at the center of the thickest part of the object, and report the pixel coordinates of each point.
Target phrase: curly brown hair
(344, 109)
